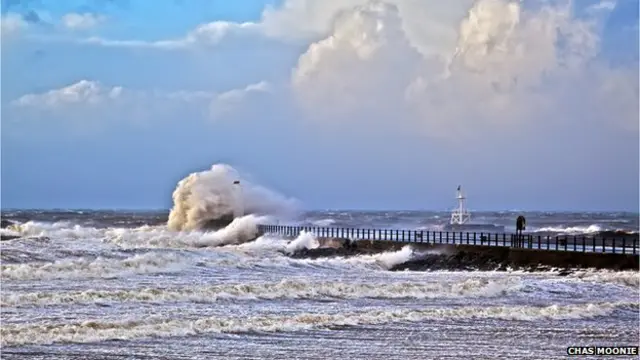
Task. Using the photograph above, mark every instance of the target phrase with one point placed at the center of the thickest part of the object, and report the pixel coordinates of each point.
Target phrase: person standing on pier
(521, 224)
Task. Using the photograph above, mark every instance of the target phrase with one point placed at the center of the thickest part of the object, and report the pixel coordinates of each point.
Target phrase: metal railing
(579, 243)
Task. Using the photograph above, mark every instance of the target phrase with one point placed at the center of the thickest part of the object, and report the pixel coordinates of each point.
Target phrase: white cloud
(75, 21)
(82, 92)
(208, 34)
(447, 68)
(88, 95)
(363, 65)
(11, 24)
(509, 66)
(229, 101)
(604, 5)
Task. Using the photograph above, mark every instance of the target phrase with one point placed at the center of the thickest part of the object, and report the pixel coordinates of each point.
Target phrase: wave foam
(305, 240)
(382, 261)
(94, 268)
(572, 229)
(94, 331)
(57, 230)
(240, 230)
(286, 289)
(628, 278)
(323, 222)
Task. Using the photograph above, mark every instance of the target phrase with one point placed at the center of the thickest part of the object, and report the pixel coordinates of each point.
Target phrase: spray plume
(211, 199)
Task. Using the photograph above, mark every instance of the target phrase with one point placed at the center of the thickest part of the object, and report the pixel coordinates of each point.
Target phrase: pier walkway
(579, 243)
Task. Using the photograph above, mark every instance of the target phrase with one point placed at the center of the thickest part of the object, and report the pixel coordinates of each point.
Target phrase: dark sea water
(116, 285)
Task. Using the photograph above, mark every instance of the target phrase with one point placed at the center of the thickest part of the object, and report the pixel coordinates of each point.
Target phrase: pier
(622, 245)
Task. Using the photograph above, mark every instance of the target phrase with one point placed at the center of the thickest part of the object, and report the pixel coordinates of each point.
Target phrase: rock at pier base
(4, 223)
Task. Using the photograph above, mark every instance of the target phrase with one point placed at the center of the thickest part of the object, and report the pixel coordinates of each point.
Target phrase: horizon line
(448, 210)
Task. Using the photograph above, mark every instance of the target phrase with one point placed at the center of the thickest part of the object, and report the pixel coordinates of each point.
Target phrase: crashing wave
(211, 199)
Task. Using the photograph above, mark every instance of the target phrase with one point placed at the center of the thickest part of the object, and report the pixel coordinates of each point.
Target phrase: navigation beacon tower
(460, 215)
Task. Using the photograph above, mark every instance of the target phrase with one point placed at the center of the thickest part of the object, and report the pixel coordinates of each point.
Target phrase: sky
(341, 104)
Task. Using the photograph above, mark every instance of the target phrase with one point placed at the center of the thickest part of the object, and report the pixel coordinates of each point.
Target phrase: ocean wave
(240, 230)
(100, 267)
(157, 326)
(627, 278)
(304, 241)
(323, 222)
(594, 228)
(212, 195)
(285, 289)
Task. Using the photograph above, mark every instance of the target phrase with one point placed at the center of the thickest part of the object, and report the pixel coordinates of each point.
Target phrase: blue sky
(340, 104)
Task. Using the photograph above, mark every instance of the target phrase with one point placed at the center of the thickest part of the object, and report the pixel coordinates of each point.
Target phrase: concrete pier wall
(475, 254)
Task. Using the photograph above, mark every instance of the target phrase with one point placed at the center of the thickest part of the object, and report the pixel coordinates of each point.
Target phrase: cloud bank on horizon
(530, 104)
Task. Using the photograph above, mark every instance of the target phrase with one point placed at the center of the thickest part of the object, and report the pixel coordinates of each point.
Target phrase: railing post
(604, 243)
(584, 244)
(613, 245)
(624, 244)
(539, 242)
(574, 244)
(593, 243)
(634, 245)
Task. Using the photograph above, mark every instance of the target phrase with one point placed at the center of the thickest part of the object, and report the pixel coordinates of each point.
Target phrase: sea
(84, 284)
